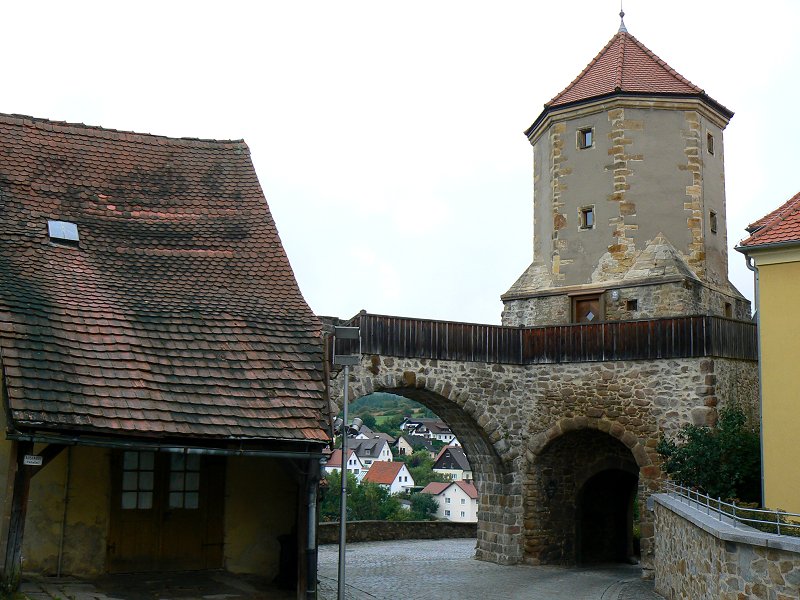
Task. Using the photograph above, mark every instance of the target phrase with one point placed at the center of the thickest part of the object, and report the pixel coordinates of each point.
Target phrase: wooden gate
(166, 512)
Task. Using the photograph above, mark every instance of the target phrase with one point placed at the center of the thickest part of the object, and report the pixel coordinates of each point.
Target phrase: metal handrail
(782, 522)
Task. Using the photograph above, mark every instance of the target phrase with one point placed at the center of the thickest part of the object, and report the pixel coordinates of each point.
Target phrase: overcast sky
(388, 135)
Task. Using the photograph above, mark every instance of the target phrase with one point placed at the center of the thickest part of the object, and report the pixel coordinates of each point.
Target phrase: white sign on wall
(32, 460)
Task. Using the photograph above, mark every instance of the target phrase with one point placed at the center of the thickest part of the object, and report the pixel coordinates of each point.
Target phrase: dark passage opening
(605, 517)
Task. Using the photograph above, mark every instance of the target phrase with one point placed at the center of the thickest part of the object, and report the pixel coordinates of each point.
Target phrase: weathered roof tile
(176, 315)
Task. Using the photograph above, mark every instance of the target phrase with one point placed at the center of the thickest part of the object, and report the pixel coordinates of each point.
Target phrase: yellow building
(773, 251)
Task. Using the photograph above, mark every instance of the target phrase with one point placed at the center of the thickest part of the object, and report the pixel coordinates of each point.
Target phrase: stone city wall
(699, 557)
(380, 531)
(506, 417)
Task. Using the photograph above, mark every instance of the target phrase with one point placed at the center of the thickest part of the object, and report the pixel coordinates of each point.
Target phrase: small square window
(712, 221)
(631, 305)
(710, 143)
(585, 138)
(586, 217)
(447, 513)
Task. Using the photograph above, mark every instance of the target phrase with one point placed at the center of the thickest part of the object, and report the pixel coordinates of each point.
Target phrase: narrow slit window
(710, 143)
(586, 217)
(585, 138)
(712, 221)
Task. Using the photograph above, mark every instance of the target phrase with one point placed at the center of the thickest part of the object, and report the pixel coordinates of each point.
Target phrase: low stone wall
(379, 531)
(699, 557)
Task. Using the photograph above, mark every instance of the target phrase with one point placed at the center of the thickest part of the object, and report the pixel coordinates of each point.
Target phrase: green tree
(722, 461)
(390, 425)
(423, 507)
(369, 420)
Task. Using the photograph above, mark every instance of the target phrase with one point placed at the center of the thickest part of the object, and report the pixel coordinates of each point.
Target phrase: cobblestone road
(446, 569)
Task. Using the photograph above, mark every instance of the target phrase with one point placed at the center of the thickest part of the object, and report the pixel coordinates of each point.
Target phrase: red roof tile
(383, 472)
(178, 313)
(781, 226)
(335, 459)
(435, 487)
(625, 65)
(469, 488)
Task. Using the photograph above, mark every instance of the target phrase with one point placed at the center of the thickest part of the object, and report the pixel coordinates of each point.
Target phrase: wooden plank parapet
(674, 337)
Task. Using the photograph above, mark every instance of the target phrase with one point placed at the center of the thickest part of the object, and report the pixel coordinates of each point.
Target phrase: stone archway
(580, 491)
(496, 467)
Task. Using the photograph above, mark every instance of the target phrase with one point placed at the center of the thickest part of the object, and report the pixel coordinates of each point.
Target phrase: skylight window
(63, 232)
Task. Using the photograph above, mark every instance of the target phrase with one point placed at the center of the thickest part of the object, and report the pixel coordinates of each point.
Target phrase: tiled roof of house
(335, 458)
(436, 487)
(451, 457)
(177, 314)
(360, 447)
(781, 226)
(468, 488)
(625, 65)
(383, 472)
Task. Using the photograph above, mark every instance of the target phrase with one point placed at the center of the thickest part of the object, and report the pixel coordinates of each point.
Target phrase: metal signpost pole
(343, 513)
(345, 333)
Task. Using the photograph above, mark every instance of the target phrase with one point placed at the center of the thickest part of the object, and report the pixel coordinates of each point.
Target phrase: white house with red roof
(392, 475)
(458, 501)
(354, 464)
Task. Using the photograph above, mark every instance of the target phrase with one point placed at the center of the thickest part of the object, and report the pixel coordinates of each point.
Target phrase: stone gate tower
(629, 198)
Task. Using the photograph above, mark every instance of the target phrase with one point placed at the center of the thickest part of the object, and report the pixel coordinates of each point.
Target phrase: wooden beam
(19, 505)
(48, 453)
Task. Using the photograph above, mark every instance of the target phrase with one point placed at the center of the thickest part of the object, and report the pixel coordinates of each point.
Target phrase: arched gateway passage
(585, 483)
(496, 476)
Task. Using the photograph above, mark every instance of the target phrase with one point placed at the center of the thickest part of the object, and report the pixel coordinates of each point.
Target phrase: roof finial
(622, 28)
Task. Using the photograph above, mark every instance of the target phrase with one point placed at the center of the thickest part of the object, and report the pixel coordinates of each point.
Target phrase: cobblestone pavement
(446, 569)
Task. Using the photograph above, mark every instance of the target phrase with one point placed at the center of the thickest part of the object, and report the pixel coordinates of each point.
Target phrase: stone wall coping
(724, 529)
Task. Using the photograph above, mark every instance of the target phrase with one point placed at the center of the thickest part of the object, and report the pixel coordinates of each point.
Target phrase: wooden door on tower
(166, 512)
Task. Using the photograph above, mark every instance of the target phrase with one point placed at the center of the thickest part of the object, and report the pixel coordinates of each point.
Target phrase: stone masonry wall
(506, 416)
(379, 531)
(699, 557)
(652, 301)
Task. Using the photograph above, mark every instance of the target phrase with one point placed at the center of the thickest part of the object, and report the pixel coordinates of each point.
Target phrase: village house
(354, 464)
(370, 451)
(431, 429)
(452, 463)
(458, 501)
(164, 396)
(406, 445)
(394, 476)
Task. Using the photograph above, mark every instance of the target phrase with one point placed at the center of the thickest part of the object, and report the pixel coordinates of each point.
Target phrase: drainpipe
(311, 541)
(754, 269)
(67, 477)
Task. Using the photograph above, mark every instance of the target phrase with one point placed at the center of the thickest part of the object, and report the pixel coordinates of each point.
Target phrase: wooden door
(587, 309)
(166, 512)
